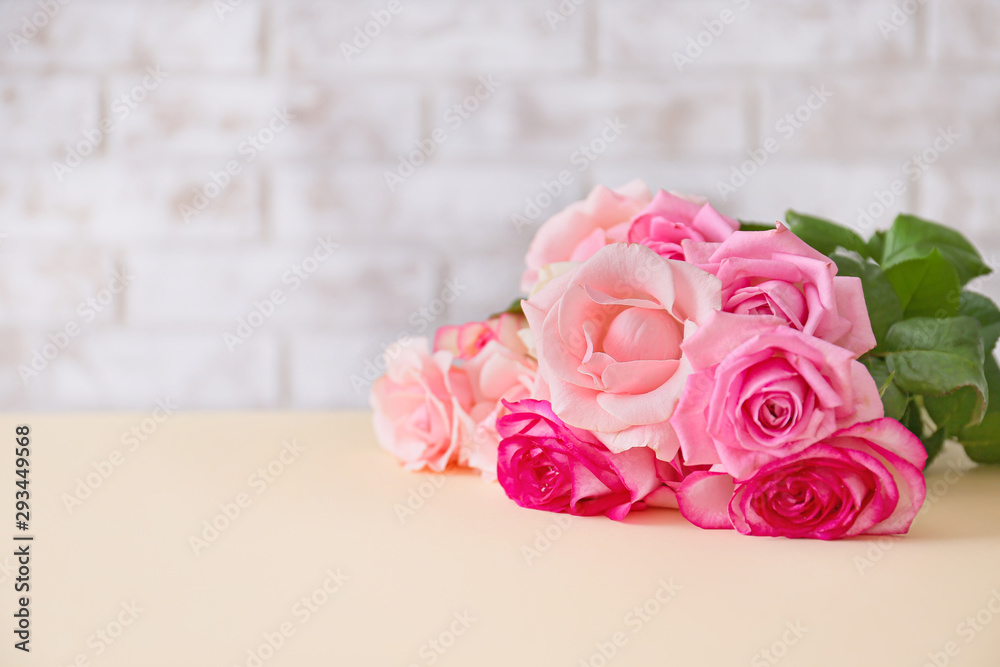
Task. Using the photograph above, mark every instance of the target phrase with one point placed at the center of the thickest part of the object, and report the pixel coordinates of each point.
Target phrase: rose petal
(704, 498)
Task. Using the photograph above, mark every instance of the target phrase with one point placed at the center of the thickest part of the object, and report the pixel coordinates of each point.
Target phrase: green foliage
(884, 305)
(912, 238)
(746, 226)
(514, 309)
(823, 235)
(934, 360)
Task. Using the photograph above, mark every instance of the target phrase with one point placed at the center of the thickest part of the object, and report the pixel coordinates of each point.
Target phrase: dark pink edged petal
(904, 456)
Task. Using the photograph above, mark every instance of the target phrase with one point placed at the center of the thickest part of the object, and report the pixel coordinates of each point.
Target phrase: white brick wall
(62, 236)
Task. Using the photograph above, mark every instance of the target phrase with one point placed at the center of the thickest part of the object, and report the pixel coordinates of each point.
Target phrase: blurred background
(238, 204)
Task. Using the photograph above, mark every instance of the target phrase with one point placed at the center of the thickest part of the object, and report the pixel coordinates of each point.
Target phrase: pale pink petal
(704, 498)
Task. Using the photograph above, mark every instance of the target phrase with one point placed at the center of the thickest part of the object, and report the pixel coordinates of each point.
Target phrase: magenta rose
(579, 230)
(421, 406)
(546, 465)
(670, 219)
(608, 339)
(776, 273)
(764, 391)
(863, 480)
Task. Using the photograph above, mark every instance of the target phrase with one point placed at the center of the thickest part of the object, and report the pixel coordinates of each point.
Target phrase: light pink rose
(464, 341)
(777, 273)
(670, 219)
(579, 230)
(546, 465)
(496, 374)
(608, 339)
(763, 391)
(864, 480)
(420, 407)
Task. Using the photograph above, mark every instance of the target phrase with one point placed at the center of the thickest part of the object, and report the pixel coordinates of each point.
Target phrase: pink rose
(864, 480)
(579, 230)
(420, 407)
(608, 339)
(776, 273)
(464, 341)
(497, 374)
(764, 391)
(671, 475)
(546, 465)
(670, 219)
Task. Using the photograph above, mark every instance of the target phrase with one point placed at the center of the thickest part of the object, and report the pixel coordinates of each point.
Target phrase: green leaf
(913, 419)
(982, 442)
(992, 372)
(885, 385)
(933, 445)
(982, 308)
(934, 357)
(514, 309)
(955, 411)
(884, 306)
(756, 226)
(893, 398)
(927, 286)
(823, 235)
(912, 238)
(876, 246)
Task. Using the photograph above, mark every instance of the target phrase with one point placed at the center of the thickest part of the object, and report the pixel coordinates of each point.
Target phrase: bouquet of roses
(789, 379)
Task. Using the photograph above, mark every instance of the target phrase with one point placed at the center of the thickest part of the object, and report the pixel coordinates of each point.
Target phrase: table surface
(289, 538)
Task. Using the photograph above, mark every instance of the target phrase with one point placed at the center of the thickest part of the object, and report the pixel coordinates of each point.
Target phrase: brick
(646, 35)
(833, 191)
(964, 31)
(118, 34)
(964, 197)
(122, 201)
(328, 369)
(554, 120)
(154, 201)
(492, 282)
(215, 288)
(41, 115)
(440, 35)
(349, 201)
(887, 116)
(49, 285)
(33, 204)
(195, 117)
(207, 287)
(464, 207)
(359, 118)
(368, 285)
(131, 369)
(199, 36)
(78, 35)
(454, 207)
(203, 117)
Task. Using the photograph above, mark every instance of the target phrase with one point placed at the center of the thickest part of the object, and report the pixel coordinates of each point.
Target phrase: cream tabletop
(279, 539)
